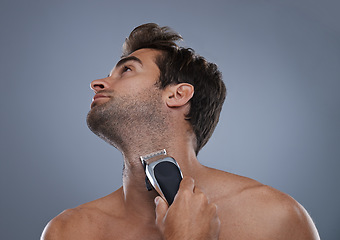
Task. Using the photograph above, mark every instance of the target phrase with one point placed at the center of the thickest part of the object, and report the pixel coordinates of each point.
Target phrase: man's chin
(100, 124)
(96, 104)
(94, 117)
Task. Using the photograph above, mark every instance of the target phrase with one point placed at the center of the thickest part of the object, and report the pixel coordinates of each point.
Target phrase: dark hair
(182, 65)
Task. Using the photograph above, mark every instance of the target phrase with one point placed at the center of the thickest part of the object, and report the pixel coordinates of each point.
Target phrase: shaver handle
(168, 176)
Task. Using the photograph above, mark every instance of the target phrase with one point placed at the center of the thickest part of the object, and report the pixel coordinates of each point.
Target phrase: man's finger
(161, 209)
(187, 183)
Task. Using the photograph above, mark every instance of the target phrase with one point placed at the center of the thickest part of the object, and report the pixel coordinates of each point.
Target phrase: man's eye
(126, 69)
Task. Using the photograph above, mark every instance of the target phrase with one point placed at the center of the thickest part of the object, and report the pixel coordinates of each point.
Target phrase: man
(161, 96)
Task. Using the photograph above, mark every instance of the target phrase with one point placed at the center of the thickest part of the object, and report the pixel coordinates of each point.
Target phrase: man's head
(128, 110)
(181, 65)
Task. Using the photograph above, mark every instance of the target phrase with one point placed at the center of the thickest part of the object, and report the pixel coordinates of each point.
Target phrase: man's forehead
(145, 53)
(140, 56)
(127, 59)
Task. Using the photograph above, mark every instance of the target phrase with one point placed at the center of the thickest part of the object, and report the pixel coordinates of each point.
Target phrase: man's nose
(99, 84)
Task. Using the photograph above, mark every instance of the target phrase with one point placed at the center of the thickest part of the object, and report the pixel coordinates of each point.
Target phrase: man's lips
(97, 98)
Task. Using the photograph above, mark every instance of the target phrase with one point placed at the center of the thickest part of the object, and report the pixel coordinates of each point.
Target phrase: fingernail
(156, 200)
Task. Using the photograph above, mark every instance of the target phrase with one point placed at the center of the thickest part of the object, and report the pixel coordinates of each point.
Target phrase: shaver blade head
(152, 155)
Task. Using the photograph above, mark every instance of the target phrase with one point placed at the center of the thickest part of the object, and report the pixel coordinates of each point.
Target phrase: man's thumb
(161, 209)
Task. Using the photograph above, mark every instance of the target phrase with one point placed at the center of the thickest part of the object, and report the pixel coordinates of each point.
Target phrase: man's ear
(178, 95)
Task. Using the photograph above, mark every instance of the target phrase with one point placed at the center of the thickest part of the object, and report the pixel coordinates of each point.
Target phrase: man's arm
(265, 214)
(191, 216)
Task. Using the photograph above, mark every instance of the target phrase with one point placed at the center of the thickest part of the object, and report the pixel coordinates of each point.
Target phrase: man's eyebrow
(126, 59)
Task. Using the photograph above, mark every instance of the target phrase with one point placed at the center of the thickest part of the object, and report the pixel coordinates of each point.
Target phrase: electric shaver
(162, 174)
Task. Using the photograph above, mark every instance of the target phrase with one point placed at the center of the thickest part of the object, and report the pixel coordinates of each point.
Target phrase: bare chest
(125, 230)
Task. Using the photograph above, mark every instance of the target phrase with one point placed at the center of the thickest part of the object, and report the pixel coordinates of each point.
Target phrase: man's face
(131, 75)
(128, 102)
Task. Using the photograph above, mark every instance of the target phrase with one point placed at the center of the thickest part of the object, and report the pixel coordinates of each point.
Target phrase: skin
(210, 204)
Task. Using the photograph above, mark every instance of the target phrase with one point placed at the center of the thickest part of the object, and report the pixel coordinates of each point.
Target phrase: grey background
(279, 125)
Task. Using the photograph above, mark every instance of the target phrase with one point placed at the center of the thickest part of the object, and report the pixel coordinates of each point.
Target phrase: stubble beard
(130, 122)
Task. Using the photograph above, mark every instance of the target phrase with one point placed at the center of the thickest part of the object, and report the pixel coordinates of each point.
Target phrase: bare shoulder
(287, 218)
(264, 211)
(83, 222)
(67, 225)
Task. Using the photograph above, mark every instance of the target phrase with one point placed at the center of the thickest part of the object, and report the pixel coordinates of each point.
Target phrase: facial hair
(129, 121)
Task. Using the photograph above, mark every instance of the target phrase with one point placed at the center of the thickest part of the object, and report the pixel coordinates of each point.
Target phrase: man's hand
(190, 216)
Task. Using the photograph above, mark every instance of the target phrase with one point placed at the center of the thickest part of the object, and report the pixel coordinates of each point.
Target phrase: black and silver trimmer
(163, 173)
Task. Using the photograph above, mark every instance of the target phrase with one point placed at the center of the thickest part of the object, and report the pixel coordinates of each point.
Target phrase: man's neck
(139, 202)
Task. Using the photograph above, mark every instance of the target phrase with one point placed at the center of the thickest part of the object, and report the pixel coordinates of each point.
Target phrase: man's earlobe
(179, 94)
